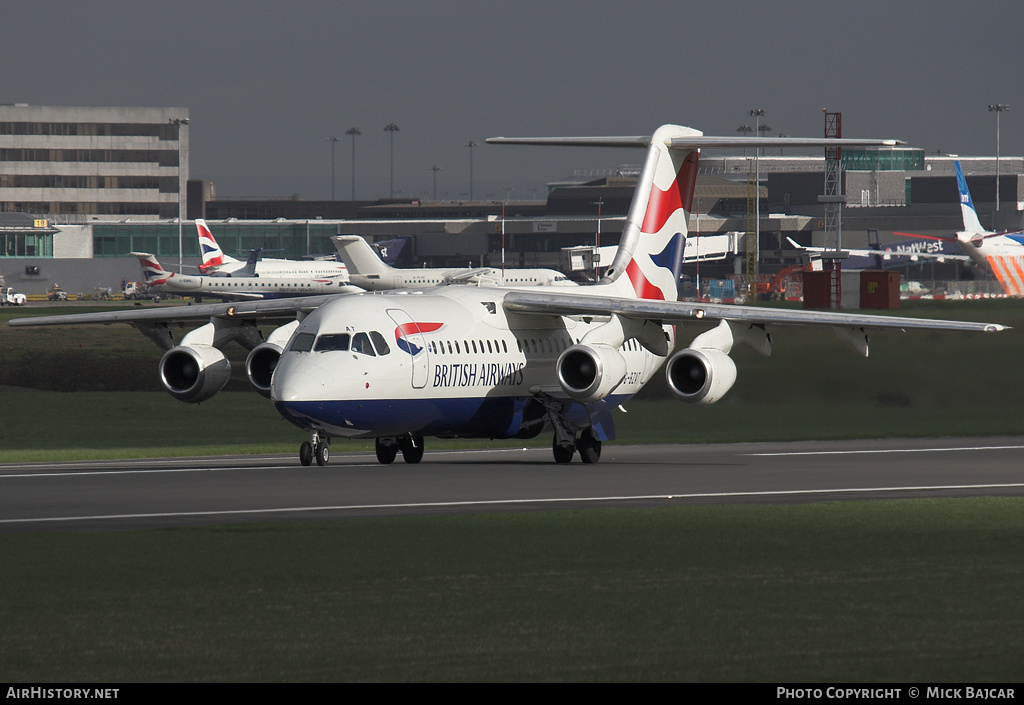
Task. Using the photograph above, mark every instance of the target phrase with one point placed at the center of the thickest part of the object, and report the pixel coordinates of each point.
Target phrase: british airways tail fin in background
(213, 256)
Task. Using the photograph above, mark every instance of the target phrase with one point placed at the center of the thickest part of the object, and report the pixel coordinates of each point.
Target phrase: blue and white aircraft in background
(497, 362)
(1000, 253)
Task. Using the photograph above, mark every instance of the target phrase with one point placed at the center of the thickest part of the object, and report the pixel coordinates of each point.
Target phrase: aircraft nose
(300, 379)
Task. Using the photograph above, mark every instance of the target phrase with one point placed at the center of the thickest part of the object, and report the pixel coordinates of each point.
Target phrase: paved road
(192, 491)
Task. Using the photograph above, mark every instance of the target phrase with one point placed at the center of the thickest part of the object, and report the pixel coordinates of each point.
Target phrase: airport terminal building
(80, 188)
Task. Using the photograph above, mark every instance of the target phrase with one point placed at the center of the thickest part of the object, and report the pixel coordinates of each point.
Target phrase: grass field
(892, 591)
(887, 591)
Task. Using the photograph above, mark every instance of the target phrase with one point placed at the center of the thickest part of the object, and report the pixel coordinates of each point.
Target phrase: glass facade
(883, 159)
(25, 244)
(285, 240)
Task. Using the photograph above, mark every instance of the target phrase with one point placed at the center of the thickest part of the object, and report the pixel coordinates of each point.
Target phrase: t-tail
(972, 225)
(653, 237)
(655, 230)
(359, 257)
(213, 256)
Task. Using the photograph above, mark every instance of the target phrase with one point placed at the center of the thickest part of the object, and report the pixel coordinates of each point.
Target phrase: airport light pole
(435, 169)
(471, 144)
(997, 108)
(178, 122)
(353, 131)
(333, 141)
(757, 114)
(392, 128)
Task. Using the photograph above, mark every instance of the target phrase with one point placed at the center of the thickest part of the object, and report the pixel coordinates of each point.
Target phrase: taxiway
(130, 494)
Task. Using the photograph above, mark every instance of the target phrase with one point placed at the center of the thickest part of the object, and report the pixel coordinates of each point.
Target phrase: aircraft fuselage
(446, 362)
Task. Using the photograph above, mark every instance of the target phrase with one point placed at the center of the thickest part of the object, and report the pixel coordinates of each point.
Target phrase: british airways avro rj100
(496, 362)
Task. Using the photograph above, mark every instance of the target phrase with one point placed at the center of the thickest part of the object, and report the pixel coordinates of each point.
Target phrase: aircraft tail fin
(213, 256)
(972, 224)
(653, 237)
(151, 270)
(650, 248)
(249, 270)
(358, 256)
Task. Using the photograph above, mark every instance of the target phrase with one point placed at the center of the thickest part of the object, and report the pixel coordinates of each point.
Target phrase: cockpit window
(332, 341)
(303, 343)
(379, 343)
(361, 344)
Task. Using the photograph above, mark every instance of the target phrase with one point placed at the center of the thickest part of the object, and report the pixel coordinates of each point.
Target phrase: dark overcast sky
(267, 82)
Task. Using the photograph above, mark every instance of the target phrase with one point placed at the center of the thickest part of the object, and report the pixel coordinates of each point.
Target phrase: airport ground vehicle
(9, 298)
(56, 293)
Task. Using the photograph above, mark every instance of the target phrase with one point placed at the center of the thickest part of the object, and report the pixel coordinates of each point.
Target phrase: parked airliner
(366, 270)
(496, 362)
(1000, 253)
(215, 262)
(239, 288)
(890, 253)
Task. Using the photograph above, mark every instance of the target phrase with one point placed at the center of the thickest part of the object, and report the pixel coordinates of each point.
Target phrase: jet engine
(700, 376)
(194, 373)
(590, 372)
(260, 365)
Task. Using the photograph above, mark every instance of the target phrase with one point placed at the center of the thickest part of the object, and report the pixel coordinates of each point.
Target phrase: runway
(132, 494)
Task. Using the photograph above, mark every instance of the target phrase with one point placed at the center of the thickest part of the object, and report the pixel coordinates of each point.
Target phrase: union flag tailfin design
(655, 230)
(656, 227)
(152, 271)
(213, 256)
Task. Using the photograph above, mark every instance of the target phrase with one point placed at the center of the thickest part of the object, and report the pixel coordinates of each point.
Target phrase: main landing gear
(564, 448)
(411, 447)
(566, 440)
(318, 446)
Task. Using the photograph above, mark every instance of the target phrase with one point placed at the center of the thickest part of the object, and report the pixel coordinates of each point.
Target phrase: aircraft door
(410, 341)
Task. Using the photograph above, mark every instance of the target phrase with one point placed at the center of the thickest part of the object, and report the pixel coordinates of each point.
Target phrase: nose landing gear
(318, 447)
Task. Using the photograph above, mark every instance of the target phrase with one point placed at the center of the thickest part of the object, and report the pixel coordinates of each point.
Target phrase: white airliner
(1000, 253)
(366, 270)
(496, 362)
(215, 262)
(914, 252)
(239, 288)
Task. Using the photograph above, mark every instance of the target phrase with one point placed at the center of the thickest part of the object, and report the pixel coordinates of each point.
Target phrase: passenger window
(379, 344)
(303, 342)
(332, 341)
(361, 345)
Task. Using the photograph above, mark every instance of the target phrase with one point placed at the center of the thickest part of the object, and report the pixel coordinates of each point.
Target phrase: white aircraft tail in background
(367, 270)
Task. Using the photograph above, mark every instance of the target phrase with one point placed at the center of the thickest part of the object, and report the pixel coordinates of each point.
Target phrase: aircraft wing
(467, 275)
(683, 312)
(886, 254)
(264, 311)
